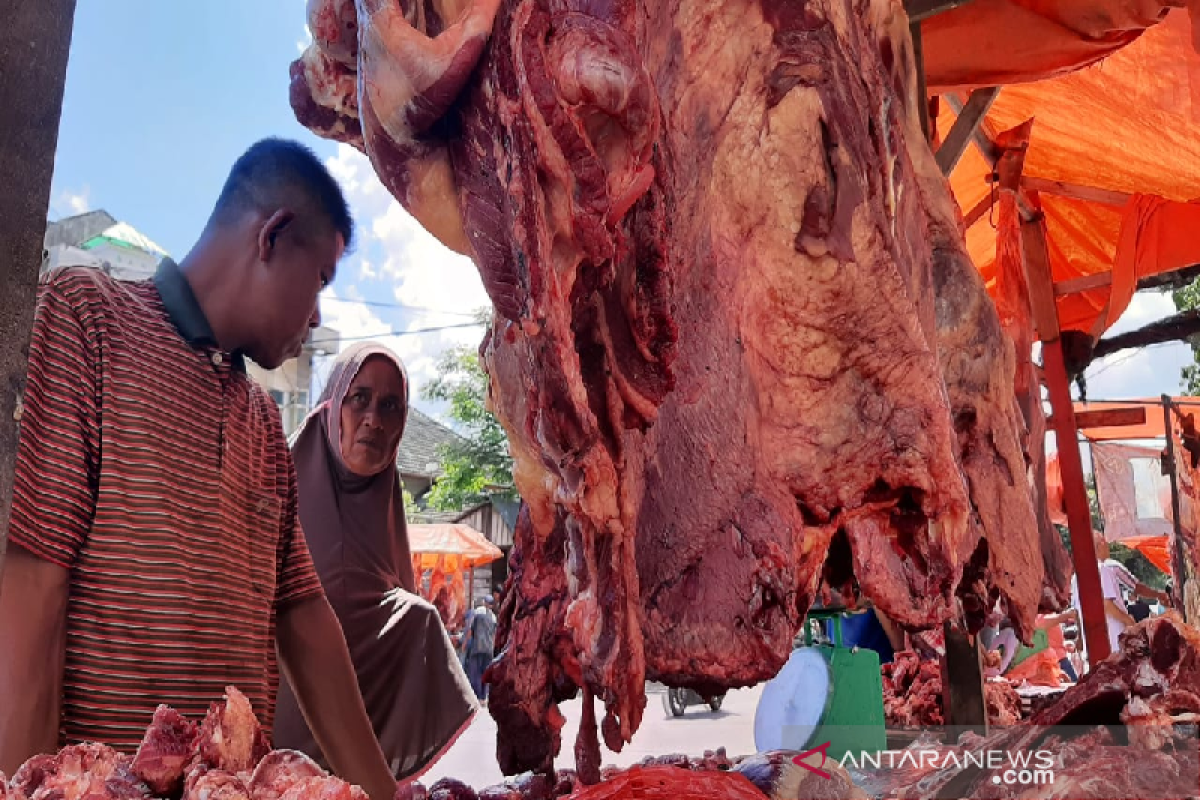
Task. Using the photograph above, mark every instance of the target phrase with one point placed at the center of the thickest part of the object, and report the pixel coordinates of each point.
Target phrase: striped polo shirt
(156, 471)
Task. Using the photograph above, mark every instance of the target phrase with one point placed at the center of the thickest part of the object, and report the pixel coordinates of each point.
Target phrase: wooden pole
(1036, 258)
(1179, 574)
(34, 42)
(1079, 514)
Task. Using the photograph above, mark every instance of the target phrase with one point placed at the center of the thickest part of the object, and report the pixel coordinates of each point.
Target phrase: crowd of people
(1059, 653)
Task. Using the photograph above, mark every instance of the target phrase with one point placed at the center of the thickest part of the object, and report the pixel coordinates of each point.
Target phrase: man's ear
(268, 233)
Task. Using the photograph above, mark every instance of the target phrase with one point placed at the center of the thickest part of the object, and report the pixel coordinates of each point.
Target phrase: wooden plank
(1180, 559)
(1039, 278)
(918, 10)
(979, 211)
(964, 128)
(34, 42)
(1036, 261)
(1079, 514)
(963, 696)
(1075, 191)
(983, 142)
(1110, 418)
(1085, 283)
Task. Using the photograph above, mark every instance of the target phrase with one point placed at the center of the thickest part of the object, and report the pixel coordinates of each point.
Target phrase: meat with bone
(230, 737)
(279, 771)
(1150, 684)
(722, 335)
(78, 772)
(166, 749)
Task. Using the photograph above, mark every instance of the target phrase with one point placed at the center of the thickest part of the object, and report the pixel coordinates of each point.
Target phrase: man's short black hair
(275, 173)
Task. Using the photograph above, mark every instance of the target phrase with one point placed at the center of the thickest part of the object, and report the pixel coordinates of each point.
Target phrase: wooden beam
(979, 211)
(918, 10)
(1039, 279)
(964, 128)
(983, 142)
(1110, 418)
(34, 43)
(1075, 191)
(1036, 258)
(914, 29)
(1082, 284)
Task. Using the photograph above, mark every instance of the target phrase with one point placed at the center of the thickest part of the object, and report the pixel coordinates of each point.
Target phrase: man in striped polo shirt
(154, 550)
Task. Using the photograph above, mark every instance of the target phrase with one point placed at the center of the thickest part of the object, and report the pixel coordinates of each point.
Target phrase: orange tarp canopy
(1156, 549)
(1153, 428)
(1129, 125)
(452, 547)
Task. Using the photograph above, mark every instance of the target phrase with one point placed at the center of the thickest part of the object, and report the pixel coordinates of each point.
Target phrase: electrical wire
(393, 333)
(400, 306)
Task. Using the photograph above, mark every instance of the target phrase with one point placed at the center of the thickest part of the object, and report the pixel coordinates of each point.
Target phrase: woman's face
(372, 417)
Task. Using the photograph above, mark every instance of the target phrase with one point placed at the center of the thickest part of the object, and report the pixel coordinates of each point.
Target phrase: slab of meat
(225, 758)
(912, 695)
(166, 749)
(78, 772)
(735, 325)
(230, 737)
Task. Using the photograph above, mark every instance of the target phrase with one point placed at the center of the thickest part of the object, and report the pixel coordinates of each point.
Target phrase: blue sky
(162, 97)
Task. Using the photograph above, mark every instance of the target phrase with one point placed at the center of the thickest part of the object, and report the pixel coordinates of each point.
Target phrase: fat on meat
(736, 332)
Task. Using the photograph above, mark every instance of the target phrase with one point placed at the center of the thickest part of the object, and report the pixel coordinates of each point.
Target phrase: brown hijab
(415, 691)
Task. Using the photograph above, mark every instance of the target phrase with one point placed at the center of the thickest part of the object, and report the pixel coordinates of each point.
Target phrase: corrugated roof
(420, 447)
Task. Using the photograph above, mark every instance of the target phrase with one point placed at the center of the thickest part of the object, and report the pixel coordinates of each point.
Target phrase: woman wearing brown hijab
(352, 512)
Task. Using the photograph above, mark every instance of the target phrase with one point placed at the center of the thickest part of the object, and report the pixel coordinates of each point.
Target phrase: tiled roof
(423, 438)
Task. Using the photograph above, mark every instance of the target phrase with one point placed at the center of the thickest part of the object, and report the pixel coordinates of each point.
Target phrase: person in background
(154, 551)
(352, 511)
(1041, 662)
(478, 643)
(1115, 581)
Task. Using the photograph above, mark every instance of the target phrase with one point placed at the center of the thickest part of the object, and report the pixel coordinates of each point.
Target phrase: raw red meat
(1151, 683)
(230, 737)
(279, 771)
(166, 749)
(78, 772)
(735, 324)
(912, 695)
(206, 783)
(225, 759)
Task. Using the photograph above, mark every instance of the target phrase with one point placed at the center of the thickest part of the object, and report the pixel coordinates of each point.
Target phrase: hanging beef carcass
(735, 323)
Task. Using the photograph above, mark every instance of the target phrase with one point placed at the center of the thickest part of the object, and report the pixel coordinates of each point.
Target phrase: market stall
(444, 559)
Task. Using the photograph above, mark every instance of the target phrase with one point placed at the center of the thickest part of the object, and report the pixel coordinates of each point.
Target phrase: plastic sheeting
(1128, 125)
(998, 42)
(1134, 495)
(450, 547)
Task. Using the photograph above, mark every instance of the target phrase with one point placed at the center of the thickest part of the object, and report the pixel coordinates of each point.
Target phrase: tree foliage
(1188, 299)
(478, 465)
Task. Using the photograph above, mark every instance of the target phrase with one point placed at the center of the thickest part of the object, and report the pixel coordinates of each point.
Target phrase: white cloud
(304, 41)
(413, 281)
(69, 203)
